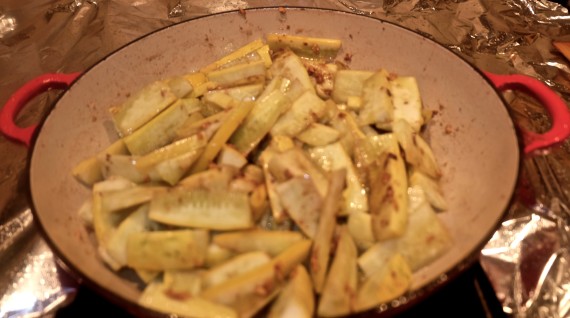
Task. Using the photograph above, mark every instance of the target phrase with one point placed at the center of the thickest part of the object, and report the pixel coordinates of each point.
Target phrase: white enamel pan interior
(472, 135)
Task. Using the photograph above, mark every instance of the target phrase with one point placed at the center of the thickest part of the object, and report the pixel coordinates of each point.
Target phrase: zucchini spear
(231, 123)
(270, 242)
(257, 124)
(249, 292)
(339, 293)
(296, 299)
(320, 252)
(309, 47)
(155, 297)
(164, 250)
(216, 210)
(142, 107)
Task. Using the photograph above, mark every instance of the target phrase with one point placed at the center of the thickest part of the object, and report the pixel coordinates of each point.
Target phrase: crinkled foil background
(528, 258)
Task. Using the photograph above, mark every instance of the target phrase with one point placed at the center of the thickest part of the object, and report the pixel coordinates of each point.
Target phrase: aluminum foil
(527, 260)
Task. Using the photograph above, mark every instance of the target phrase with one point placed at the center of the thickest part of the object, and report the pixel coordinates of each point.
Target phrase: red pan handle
(22, 96)
(555, 105)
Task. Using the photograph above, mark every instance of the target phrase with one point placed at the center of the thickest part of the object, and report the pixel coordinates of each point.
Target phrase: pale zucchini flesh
(89, 171)
(258, 123)
(164, 250)
(183, 283)
(418, 152)
(349, 83)
(117, 244)
(270, 242)
(377, 105)
(318, 135)
(202, 209)
(235, 266)
(305, 110)
(425, 239)
(296, 299)
(296, 163)
(123, 166)
(321, 249)
(341, 286)
(388, 283)
(142, 107)
(289, 66)
(155, 297)
(233, 120)
(407, 101)
(252, 290)
(333, 157)
(302, 202)
(161, 130)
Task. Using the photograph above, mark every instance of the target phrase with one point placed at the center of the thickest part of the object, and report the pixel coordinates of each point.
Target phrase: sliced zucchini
(105, 222)
(204, 126)
(360, 227)
(431, 188)
(216, 210)
(161, 130)
(407, 101)
(339, 293)
(333, 157)
(214, 179)
(418, 152)
(194, 143)
(166, 250)
(257, 124)
(388, 197)
(155, 297)
(296, 299)
(123, 166)
(309, 47)
(182, 283)
(426, 238)
(388, 283)
(239, 74)
(234, 55)
(180, 86)
(89, 171)
(306, 109)
(377, 106)
(318, 135)
(349, 83)
(229, 156)
(231, 123)
(270, 242)
(116, 246)
(141, 107)
(302, 202)
(321, 250)
(118, 200)
(217, 255)
(295, 163)
(290, 66)
(235, 266)
(251, 291)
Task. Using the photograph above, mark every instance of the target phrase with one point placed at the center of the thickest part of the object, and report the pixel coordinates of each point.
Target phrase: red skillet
(479, 156)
